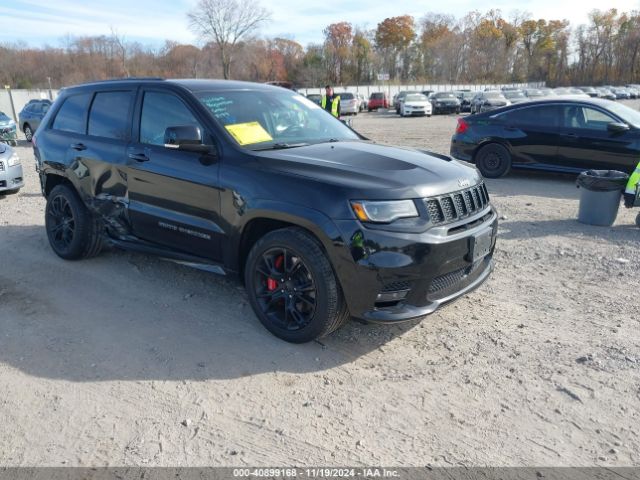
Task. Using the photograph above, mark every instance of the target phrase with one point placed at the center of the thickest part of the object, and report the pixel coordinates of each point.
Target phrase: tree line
(436, 48)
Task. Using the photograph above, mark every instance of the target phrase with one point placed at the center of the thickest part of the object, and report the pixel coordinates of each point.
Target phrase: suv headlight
(383, 211)
(14, 160)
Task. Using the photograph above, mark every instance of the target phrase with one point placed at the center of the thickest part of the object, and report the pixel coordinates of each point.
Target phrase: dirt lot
(129, 360)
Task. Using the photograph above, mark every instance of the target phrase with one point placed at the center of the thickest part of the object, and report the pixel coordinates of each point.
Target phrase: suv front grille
(449, 208)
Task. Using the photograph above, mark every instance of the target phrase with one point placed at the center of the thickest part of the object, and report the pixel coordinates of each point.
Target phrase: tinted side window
(162, 110)
(109, 115)
(585, 118)
(71, 116)
(545, 116)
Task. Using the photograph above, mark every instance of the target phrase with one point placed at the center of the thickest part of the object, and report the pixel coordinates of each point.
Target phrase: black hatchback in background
(563, 135)
(259, 182)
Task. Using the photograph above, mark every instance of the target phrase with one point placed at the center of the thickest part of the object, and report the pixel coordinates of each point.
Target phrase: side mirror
(185, 137)
(617, 127)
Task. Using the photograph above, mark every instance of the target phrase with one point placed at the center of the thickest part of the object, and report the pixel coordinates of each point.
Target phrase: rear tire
(28, 133)
(638, 220)
(72, 230)
(292, 287)
(493, 160)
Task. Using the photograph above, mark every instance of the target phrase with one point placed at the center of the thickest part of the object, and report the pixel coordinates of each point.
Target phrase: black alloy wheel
(285, 289)
(61, 224)
(292, 287)
(72, 230)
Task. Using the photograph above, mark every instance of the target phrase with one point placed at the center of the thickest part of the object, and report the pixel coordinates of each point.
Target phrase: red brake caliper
(272, 284)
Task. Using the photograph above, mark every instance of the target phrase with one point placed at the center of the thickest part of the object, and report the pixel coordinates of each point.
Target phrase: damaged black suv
(255, 180)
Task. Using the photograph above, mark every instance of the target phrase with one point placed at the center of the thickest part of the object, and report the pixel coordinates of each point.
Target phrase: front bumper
(452, 108)
(417, 111)
(430, 268)
(11, 178)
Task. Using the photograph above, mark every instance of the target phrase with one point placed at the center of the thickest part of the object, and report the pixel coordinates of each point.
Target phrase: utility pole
(50, 91)
(13, 108)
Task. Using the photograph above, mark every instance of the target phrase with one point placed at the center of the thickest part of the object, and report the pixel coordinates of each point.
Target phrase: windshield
(376, 96)
(444, 95)
(629, 115)
(493, 95)
(346, 96)
(416, 97)
(4, 118)
(512, 94)
(268, 118)
(534, 93)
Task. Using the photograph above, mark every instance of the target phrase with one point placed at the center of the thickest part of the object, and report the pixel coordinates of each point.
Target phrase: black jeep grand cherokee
(249, 179)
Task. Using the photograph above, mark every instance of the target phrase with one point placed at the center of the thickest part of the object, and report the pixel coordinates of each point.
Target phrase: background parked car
(349, 103)
(398, 98)
(620, 93)
(31, 115)
(537, 93)
(377, 100)
(415, 104)
(445, 102)
(484, 101)
(465, 100)
(547, 92)
(515, 96)
(8, 130)
(315, 98)
(568, 135)
(589, 91)
(605, 93)
(11, 180)
(362, 102)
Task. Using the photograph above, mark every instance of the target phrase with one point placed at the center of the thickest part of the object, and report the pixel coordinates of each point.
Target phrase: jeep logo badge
(463, 182)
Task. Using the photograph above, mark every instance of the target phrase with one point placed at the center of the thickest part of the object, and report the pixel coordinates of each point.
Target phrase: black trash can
(600, 195)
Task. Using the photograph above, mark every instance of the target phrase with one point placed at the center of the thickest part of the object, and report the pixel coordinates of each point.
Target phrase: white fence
(391, 90)
(12, 101)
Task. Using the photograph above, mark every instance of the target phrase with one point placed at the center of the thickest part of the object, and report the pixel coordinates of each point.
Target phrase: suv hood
(374, 171)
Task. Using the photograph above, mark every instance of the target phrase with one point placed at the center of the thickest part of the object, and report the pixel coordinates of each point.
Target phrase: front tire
(72, 230)
(292, 287)
(493, 160)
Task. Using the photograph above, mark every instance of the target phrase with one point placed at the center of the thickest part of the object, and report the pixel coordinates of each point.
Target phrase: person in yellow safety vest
(331, 102)
(632, 184)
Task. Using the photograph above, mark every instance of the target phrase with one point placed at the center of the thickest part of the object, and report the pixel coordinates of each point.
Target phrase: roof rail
(124, 79)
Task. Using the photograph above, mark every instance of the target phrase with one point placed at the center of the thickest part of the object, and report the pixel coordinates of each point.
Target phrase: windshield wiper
(280, 146)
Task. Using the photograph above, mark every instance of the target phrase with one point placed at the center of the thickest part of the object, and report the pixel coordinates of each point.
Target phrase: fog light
(392, 296)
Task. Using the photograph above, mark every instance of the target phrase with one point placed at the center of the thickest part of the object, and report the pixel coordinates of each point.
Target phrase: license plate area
(480, 245)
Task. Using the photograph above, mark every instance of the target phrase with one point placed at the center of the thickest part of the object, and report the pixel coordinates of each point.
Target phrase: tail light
(462, 126)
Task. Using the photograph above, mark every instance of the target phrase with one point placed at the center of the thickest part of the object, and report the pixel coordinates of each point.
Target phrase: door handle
(139, 157)
(569, 135)
(78, 146)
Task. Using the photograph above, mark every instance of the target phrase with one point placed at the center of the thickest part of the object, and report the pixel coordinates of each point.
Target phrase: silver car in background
(11, 179)
(349, 104)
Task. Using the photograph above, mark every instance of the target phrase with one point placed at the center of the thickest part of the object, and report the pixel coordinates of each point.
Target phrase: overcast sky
(40, 22)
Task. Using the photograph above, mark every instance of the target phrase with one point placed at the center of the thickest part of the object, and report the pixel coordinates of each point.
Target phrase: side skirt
(192, 261)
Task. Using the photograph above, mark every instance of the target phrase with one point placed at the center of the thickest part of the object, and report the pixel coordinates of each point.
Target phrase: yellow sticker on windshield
(248, 133)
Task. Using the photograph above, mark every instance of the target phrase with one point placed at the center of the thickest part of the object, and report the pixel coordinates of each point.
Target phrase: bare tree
(225, 23)
(120, 44)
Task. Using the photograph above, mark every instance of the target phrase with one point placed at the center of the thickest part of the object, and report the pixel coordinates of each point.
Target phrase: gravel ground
(129, 360)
